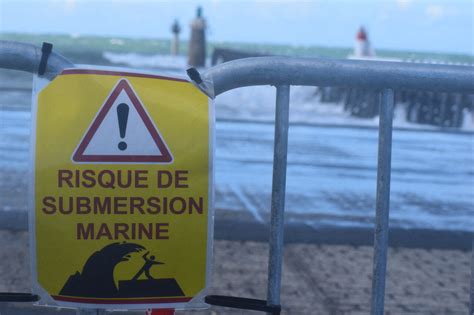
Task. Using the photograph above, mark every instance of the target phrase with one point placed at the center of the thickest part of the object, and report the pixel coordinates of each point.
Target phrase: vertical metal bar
(278, 194)
(382, 201)
(471, 303)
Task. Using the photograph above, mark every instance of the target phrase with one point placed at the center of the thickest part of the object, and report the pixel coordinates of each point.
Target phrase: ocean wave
(147, 61)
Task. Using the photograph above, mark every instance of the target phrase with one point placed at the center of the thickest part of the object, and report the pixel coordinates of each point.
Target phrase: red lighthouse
(362, 45)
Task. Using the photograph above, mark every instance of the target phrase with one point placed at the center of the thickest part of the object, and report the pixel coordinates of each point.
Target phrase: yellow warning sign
(122, 190)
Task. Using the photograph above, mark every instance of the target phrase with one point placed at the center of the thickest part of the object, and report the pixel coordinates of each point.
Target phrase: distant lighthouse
(197, 43)
(175, 29)
(362, 47)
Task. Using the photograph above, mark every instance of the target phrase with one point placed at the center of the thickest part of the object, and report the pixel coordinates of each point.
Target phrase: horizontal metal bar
(285, 71)
(333, 72)
(26, 57)
(84, 311)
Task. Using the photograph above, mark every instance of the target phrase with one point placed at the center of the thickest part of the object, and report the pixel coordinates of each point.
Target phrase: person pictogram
(149, 262)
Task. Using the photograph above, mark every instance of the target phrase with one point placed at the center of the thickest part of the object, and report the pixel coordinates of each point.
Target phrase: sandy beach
(317, 278)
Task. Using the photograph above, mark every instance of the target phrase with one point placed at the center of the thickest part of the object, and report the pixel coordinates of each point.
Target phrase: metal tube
(382, 201)
(85, 311)
(471, 300)
(338, 72)
(278, 194)
(26, 57)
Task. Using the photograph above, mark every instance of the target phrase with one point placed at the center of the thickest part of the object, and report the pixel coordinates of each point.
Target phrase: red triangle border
(122, 85)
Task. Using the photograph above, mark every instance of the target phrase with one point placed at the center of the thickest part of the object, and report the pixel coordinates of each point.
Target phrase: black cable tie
(242, 303)
(18, 297)
(45, 52)
(194, 75)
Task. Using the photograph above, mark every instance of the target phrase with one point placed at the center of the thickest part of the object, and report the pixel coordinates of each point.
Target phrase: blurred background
(334, 129)
(333, 133)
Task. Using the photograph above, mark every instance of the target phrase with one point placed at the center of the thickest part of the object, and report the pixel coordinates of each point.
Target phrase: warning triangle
(122, 132)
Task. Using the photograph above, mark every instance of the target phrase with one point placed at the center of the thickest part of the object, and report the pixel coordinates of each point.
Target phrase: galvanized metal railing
(27, 57)
(385, 76)
(283, 72)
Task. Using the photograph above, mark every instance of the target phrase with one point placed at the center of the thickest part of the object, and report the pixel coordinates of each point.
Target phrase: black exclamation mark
(122, 115)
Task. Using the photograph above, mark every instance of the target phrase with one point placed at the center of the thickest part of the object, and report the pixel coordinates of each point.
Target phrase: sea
(332, 157)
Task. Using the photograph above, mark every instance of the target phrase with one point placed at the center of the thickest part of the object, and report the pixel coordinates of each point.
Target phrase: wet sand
(317, 278)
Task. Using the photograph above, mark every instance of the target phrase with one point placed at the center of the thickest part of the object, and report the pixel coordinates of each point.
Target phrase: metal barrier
(27, 57)
(283, 72)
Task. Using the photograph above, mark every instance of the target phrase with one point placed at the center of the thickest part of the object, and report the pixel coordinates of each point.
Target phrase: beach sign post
(122, 191)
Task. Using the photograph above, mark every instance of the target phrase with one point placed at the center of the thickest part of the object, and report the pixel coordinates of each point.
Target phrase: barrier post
(471, 299)
(382, 201)
(278, 194)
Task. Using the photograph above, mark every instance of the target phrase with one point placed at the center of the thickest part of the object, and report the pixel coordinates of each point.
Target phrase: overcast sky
(422, 25)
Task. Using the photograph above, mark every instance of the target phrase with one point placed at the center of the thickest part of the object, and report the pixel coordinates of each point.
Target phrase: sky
(415, 25)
